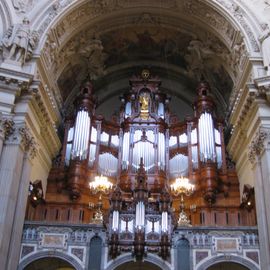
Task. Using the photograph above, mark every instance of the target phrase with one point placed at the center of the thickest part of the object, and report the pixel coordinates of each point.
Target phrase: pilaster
(19, 214)
(259, 156)
(14, 173)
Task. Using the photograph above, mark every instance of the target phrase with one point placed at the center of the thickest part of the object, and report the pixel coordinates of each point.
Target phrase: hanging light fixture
(100, 185)
(182, 187)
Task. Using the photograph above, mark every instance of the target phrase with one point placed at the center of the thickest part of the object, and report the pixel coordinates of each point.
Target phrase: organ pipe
(206, 137)
(108, 164)
(164, 221)
(178, 165)
(81, 135)
(126, 149)
(140, 215)
(115, 221)
(161, 151)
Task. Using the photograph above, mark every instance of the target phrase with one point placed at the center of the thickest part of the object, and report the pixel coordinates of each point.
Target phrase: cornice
(48, 134)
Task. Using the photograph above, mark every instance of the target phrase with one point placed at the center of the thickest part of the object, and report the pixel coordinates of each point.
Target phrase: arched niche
(183, 254)
(95, 253)
(49, 263)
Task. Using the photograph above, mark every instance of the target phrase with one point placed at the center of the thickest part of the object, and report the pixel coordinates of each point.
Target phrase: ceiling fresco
(156, 44)
(109, 58)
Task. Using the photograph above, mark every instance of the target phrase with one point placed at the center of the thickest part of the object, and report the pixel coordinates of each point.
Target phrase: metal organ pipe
(69, 145)
(84, 134)
(126, 149)
(115, 220)
(164, 221)
(140, 215)
(81, 135)
(206, 137)
(75, 139)
(211, 139)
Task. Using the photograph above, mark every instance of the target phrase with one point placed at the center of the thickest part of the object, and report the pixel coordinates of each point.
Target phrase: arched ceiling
(177, 40)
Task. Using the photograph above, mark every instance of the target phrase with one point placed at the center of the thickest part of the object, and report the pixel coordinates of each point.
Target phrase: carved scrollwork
(28, 141)
(20, 134)
(257, 145)
(6, 127)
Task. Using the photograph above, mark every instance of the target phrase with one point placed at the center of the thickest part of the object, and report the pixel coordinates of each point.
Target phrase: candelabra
(101, 185)
(182, 187)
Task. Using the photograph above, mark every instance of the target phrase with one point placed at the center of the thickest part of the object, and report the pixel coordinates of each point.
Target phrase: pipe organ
(145, 130)
(142, 152)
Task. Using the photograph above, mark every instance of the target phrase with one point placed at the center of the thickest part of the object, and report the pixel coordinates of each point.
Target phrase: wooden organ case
(142, 153)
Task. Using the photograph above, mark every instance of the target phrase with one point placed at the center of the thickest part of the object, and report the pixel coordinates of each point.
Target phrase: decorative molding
(20, 134)
(23, 6)
(257, 145)
(253, 255)
(27, 249)
(6, 127)
(53, 240)
(78, 252)
(201, 255)
(226, 245)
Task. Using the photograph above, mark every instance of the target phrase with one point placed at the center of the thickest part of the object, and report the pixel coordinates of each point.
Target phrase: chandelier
(100, 185)
(182, 187)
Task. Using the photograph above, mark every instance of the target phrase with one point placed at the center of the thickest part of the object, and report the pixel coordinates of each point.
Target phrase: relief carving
(257, 145)
(265, 43)
(19, 42)
(6, 127)
(93, 52)
(23, 6)
(198, 52)
(20, 134)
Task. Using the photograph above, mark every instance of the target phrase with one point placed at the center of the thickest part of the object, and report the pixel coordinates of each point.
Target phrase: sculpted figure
(197, 53)
(265, 41)
(144, 100)
(95, 57)
(20, 42)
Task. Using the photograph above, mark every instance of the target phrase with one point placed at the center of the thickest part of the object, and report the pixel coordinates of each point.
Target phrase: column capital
(20, 134)
(6, 127)
(259, 144)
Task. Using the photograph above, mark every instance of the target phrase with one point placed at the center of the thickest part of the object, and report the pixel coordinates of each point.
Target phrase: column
(259, 156)
(14, 180)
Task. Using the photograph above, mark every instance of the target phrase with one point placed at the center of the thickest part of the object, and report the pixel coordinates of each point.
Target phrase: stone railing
(203, 236)
(217, 244)
(206, 244)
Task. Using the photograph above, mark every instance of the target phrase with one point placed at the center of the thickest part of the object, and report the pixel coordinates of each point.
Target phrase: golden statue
(144, 103)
